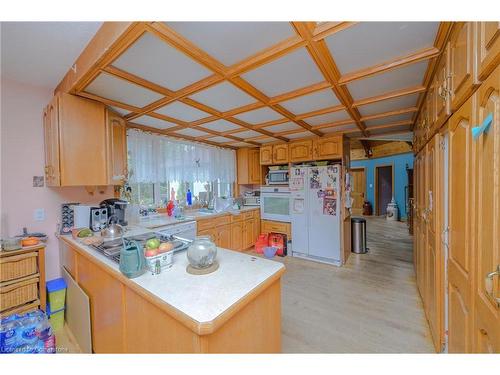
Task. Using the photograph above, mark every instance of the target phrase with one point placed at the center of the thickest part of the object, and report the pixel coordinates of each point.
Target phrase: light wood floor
(371, 305)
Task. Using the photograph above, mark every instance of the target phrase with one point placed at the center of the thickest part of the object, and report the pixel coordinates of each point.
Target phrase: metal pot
(113, 231)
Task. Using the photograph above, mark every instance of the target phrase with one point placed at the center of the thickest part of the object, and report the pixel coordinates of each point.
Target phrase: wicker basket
(15, 294)
(17, 266)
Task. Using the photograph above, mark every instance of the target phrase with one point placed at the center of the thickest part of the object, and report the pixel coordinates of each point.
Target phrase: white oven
(275, 203)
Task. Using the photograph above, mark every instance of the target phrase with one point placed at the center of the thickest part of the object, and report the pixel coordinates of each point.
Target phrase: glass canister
(202, 252)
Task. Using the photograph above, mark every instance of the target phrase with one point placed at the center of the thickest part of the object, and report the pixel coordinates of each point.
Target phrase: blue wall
(400, 177)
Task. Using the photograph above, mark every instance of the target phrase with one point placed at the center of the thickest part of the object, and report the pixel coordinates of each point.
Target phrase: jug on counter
(132, 259)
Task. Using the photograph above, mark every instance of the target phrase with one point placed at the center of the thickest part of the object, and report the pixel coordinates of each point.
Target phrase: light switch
(39, 214)
(371, 186)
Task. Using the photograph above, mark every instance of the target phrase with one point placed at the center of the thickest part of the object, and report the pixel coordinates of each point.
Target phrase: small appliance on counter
(67, 217)
(81, 216)
(98, 218)
(116, 209)
(251, 198)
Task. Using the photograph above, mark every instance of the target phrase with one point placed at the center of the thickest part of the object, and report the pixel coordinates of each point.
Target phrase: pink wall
(21, 159)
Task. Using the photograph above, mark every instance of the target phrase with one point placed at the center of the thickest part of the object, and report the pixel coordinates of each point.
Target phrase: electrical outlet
(39, 214)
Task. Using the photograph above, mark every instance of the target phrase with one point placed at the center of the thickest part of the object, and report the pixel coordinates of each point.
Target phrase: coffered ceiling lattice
(237, 84)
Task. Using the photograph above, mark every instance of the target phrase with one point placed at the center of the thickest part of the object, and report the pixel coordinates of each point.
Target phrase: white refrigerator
(315, 207)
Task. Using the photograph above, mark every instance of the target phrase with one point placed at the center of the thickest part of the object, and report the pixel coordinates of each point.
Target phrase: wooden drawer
(13, 294)
(204, 224)
(17, 266)
(222, 220)
(248, 215)
(236, 218)
(268, 226)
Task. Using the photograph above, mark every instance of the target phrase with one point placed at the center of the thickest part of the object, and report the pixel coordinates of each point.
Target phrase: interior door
(487, 293)
(384, 188)
(460, 256)
(358, 189)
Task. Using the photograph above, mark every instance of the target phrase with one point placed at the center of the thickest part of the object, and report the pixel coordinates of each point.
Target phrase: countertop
(163, 220)
(202, 298)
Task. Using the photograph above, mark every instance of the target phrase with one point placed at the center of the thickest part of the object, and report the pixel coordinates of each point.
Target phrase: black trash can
(358, 235)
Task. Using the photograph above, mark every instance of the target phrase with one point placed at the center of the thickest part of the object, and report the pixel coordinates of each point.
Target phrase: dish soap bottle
(189, 198)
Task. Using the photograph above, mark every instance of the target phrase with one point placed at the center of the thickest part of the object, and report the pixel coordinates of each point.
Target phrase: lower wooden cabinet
(237, 236)
(224, 236)
(268, 226)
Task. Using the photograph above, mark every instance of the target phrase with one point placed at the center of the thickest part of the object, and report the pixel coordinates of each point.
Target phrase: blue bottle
(189, 198)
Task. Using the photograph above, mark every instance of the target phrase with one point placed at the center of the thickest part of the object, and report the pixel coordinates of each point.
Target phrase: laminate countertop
(203, 298)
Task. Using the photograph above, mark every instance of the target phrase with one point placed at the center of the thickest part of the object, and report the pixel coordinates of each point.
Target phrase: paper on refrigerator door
(298, 206)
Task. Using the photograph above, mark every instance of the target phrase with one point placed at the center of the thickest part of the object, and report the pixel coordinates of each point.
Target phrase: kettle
(132, 259)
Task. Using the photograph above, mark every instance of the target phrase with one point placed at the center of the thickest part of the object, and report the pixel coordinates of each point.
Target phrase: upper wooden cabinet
(462, 65)
(117, 148)
(248, 161)
(442, 84)
(327, 148)
(301, 150)
(84, 144)
(274, 154)
(488, 47)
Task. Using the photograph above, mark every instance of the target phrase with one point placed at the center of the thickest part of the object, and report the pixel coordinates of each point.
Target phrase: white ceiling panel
(328, 117)
(394, 129)
(291, 72)
(389, 119)
(154, 60)
(266, 140)
(307, 103)
(370, 43)
(110, 87)
(282, 127)
(241, 144)
(182, 112)
(153, 122)
(247, 134)
(192, 132)
(230, 42)
(336, 129)
(220, 139)
(388, 105)
(259, 116)
(299, 135)
(223, 97)
(120, 111)
(396, 79)
(220, 126)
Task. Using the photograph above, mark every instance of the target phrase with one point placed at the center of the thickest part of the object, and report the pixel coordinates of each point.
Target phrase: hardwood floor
(371, 305)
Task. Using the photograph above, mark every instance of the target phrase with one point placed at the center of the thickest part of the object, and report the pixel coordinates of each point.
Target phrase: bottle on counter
(189, 198)
(172, 194)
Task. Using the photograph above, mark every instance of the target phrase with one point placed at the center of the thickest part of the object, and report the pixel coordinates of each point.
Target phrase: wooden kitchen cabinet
(442, 84)
(462, 63)
(274, 154)
(75, 142)
(106, 306)
(301, 150)
(224, 236)
(116, 148)
(266, 155)
(327, 148)
(237, 236)
(487, 47)
(268, 226)
(248, 164)
(280, 153)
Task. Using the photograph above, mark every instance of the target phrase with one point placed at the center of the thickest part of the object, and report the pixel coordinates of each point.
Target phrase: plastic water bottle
(9, 333)
(189, 198)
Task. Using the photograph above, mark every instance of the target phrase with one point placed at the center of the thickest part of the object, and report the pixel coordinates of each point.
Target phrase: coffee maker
(116, 210)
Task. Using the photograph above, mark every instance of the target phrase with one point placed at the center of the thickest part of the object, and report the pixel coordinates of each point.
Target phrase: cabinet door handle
(488, 284)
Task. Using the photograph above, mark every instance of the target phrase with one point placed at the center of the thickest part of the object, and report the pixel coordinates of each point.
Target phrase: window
(159, 193)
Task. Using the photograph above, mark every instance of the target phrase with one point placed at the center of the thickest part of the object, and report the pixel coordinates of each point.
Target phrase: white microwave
(275, 203)
(278, 177)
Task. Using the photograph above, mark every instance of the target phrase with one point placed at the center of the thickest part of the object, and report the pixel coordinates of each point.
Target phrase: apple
(153, 243)
(151, 252)
(165, 246)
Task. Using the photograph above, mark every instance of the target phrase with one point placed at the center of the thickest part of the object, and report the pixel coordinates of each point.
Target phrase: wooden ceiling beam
(318, 112)
(389, 95)
(109, 102)
(110, 69)
(326, 64)
(390, 125)
(110, 41)
(300, 92)
(325, 29)
(335, 124)
(425, 54)
(390, 113)
(367, 147)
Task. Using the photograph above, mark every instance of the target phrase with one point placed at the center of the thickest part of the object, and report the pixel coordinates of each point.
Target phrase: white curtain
(156, 158)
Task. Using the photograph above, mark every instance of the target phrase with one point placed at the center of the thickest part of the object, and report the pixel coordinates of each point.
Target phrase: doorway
(384, 187)
(358, 189)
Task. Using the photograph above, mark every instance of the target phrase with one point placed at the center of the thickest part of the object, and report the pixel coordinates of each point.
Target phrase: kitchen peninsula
(235, 309)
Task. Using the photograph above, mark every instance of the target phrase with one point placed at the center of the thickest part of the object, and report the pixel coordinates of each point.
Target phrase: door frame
(375, 201)
(364, 180)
